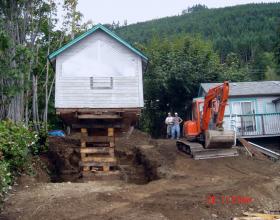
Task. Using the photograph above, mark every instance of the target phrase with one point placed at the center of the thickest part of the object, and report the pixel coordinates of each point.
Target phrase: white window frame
(101, 82)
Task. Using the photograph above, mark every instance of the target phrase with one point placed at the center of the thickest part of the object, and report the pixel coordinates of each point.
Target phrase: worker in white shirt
(169, 123)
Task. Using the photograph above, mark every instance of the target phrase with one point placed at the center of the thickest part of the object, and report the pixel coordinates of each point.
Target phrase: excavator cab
(192, 128)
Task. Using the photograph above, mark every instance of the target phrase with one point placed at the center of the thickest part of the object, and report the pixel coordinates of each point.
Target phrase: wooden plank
(266, 151)
(99, 159)
(263, 215)
(95, 125)
(93, 116)
(248, 218)
(86, 168)
(254, 152)
(94, 139)
(257, 216)
(106, 168)
(110, 132)
(100, 139)
(102, 175)
(112, 152)
(92, 150)
(96, 110)
(83, 130)
(97, 164)
(113, 172)
(83, 156)
(84, 137)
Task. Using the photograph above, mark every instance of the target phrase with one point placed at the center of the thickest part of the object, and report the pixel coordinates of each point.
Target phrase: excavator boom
(214, 108)
(218, 94)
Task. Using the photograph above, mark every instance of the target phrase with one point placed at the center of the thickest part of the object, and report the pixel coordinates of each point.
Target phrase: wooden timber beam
(93, 116)
(99, 159)
(95, 150)
(96, 111)
(94, 125)
(97, 164)
(94, 139)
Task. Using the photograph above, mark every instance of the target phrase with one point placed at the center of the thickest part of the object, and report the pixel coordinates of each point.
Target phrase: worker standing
(176, 126)
(169, 124)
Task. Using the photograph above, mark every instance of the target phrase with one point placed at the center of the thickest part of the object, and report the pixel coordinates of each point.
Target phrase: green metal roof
(89, 32)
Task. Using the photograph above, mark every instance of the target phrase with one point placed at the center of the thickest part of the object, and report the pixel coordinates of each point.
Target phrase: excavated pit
(135, 165)
(136, 168)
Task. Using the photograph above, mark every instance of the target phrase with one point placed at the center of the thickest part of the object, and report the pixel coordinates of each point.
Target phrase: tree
(20, 20)
(232, 70)
(277, 50)
(72, 17)
(26, 38)
(195, 8)
(176, 68)
(231, 29)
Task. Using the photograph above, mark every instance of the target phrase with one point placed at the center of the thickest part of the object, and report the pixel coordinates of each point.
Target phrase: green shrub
(5, 176)
(15, 143)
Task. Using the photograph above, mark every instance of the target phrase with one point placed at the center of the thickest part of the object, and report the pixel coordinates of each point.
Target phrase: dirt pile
(125, 143)
(64, 156)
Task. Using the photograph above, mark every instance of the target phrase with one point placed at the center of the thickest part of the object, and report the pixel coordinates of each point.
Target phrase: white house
(253, 107)
(98, 70)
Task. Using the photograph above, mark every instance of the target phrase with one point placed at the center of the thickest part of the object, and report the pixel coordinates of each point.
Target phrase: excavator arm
(218, 96)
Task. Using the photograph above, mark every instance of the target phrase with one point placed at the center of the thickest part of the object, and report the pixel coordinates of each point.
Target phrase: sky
(107, 11)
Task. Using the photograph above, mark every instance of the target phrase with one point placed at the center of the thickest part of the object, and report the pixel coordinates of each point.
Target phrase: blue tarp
(56, 133)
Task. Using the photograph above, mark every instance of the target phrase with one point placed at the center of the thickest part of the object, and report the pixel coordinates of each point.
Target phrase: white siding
(278, 106)
(260, 104)
(97, 56)
(263, 102)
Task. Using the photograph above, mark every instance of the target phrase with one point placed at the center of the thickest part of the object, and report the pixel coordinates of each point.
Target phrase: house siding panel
(278, 106)
(98, 55)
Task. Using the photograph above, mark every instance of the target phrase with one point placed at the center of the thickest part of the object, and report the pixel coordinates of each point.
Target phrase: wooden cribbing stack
(96, 130)
(98, 152)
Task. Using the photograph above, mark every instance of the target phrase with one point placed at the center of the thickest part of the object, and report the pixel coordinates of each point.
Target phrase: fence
(254, 124)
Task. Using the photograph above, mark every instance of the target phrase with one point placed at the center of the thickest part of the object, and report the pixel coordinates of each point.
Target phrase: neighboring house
(98, 70)
(253, 107)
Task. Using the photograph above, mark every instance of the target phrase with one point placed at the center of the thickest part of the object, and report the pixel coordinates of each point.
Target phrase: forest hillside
(246, 30)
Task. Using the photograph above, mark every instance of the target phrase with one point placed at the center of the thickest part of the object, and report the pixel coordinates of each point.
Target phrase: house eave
(255, 95)
(53, 55)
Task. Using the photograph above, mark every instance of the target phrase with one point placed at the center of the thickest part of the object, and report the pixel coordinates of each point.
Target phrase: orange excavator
(204, 136)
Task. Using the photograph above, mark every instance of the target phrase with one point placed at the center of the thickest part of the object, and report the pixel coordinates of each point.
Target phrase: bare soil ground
(180, 188)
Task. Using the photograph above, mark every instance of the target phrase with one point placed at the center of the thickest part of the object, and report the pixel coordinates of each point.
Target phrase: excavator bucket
(219, 139)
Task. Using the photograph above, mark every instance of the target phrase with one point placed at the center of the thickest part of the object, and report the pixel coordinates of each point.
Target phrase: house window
(243, 108)
(246, 121)
(101, 82)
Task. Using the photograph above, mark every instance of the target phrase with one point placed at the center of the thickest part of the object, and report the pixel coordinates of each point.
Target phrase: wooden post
(106, 168)
(263, 128)
(242, 126)
(110, 132)
(84, 137)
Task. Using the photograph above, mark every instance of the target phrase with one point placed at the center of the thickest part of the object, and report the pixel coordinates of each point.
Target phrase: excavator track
(198, 152)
